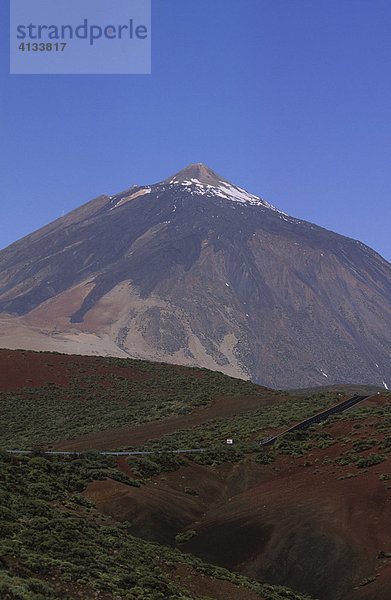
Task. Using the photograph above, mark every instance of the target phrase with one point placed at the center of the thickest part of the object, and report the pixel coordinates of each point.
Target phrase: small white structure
(230, 441)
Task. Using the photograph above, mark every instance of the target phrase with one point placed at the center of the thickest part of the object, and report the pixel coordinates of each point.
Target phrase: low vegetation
(361, 450)
(55, 545)
(107, 393)
(247, 430)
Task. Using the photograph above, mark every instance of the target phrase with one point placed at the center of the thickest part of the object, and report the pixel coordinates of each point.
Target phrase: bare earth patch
(134, 435)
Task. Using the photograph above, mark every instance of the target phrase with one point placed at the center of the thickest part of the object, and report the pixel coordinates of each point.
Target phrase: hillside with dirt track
(310, 512)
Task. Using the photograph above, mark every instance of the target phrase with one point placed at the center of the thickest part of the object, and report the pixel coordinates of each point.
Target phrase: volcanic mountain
(197, 271)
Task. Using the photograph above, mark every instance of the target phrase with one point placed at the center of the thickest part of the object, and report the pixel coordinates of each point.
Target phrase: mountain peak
(202, 274)
(201, 180)
(199, 172)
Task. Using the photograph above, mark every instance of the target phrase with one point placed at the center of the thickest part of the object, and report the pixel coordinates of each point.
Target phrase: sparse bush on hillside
(46, 541)
(154, 464)
(385, 444)
(91, 401)
(361, 462)
(217, 455)
(370, 460)
(298, 443)
(363, 444)
(265, 458)
(245, 427)
(181, 538)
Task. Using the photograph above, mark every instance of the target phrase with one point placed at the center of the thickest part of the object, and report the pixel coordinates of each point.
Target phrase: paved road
(322, 416)
(110, 453)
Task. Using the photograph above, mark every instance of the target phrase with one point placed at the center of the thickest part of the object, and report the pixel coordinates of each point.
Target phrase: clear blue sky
(290, 99)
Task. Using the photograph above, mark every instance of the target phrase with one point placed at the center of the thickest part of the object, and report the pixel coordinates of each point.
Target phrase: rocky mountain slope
(197, 271)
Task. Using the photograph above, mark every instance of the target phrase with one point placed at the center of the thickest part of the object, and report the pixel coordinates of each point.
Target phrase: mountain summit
(200, 180)
(195, 270)
(199, 173)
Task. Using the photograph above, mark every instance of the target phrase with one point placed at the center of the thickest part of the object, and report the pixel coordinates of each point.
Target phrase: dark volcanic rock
(216, 277)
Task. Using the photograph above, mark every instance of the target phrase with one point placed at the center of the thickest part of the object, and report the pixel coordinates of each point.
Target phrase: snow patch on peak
(224, 190)
(131, 197)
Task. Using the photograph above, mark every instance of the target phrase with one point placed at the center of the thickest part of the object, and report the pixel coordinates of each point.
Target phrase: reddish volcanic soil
(207, 587)
(298, 528)
(284, 523)
(21, 368)
(134, 435)
(308, 527)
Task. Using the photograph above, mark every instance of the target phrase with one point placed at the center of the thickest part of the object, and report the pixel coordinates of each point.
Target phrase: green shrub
(265, 458)
(185, 536)
(363, 444)
(370, 460)
(154, 464)
(82, 501)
